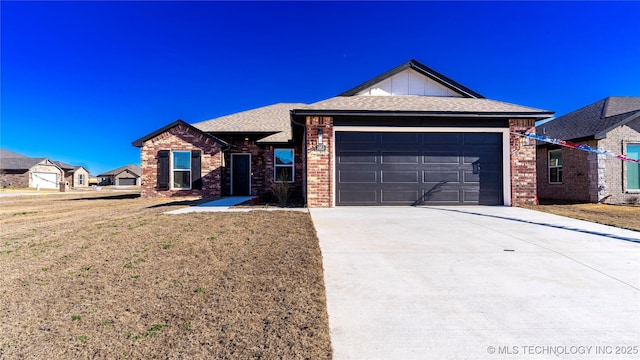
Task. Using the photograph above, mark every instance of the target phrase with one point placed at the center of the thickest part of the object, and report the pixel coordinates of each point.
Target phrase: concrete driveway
(478, 283)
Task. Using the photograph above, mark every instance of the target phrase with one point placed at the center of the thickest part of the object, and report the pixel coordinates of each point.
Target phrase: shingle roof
(10, 154)
(593, 121)
(134, 169)
(64, 166)
(273, 120)
(19, 163)
(420, 104)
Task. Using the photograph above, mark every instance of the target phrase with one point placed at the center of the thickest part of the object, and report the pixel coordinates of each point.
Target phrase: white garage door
(45, 180)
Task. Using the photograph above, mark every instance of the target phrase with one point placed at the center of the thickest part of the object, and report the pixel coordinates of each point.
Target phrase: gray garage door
(418, 168)
(126, 181)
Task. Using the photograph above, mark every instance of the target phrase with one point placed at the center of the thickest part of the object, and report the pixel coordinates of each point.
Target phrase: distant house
(611, 124)
(20, 171)
(75, 176)
(128, 175)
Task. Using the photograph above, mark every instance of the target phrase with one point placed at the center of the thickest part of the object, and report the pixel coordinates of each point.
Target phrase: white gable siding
(409, 82)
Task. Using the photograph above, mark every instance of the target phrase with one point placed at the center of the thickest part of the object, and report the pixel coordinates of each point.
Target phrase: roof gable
(131, 168)
(593, 121)
(140, 142)
(412, 78)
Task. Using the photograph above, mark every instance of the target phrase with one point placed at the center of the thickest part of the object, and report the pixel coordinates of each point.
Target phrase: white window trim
(80, 179)
(172, 170)
(506, 150)
(292, 166)
(626, 167)
(549, 166)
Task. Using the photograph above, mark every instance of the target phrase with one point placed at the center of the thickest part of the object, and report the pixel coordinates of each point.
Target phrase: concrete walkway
(227, 205)
(477, 283)
(223, 204)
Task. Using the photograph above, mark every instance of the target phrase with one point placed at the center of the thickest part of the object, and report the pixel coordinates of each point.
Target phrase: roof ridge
(603, 111)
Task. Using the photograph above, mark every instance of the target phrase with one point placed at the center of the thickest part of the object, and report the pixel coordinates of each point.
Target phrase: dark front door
(240, 174)
(391, 168)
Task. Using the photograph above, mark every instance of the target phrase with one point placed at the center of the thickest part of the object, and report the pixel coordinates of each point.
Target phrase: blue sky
(82, 80)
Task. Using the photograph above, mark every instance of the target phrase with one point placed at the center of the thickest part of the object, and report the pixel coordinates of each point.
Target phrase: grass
(104, 284)
(622, 216)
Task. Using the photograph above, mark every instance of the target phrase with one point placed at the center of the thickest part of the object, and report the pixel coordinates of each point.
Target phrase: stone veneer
(181, 137)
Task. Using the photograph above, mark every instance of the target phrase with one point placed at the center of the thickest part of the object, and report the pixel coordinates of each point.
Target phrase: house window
(181, 170)
(555, 166)
(633, 169)
(283, 160)
(80, 179)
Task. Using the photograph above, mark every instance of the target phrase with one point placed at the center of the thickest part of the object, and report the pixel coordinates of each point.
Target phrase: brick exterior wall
(181, 138)
(262, 158)
(319, 163)
(589, 177)
(523, 164)
(14, 179)
(578, 171)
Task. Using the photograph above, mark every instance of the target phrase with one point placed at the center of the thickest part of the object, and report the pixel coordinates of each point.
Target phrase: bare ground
(93, 276)
(622, 216)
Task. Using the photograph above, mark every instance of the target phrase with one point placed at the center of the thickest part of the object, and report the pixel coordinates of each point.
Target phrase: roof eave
(603, 133)
(532, 115)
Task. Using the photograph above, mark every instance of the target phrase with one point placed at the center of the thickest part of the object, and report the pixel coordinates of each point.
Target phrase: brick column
(523, 163)
(319, 162)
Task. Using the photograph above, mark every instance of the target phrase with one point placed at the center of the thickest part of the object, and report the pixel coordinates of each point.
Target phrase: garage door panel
(390, 177)
(441, 158)
(400, 138)
(357, 138)
(402, 196)
(358, 177)
(358, 157)
(400, 157)
(440, 176)
(442, 196)
(481, 138)
(441, 168)
(488, 196)
(357, 197)
(440, 139)
(483, 158)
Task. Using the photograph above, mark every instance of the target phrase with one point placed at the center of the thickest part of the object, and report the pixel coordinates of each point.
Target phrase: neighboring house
(21, 172)
(128, 175)
(611, 124)
(408, 136)
(74, 176)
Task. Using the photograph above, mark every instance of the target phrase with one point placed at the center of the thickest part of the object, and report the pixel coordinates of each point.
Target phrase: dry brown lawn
(622, 216)
(110, 276)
